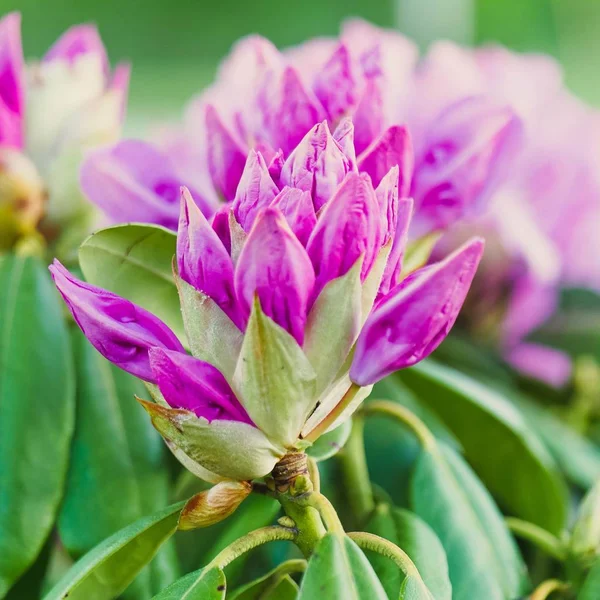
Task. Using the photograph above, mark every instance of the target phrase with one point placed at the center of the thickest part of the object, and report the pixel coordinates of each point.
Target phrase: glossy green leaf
(118, 468)
(419, 541)
(483, 559)
(494, 435)
(135, 261)
(275, 585)
(338, 570)
(37, 411)
(590, 589)
(329, 444)
(104, 572)
(206, 584)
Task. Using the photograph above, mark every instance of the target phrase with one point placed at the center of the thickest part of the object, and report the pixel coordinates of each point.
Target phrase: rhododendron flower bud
(272, 324)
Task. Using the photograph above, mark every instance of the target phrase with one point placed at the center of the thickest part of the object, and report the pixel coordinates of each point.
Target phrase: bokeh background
(175, 45)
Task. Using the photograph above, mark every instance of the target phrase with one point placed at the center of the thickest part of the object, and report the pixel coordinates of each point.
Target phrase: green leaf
(419, 541)
(575, 327)
(134, 261)
(118, 469)
(591, 585)
(37, 411)
(206, 584)
(483, 559)
(338, 570)
(276, 584)
(329, 444)
(585, 538)
(274, 379)
(418, 252)
(494, 434)
(104, 572)
(577, 457)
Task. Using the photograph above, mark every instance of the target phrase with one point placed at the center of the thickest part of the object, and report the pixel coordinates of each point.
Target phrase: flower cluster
(267, 100)
(50, 111)
(542, 218)
(294, 301)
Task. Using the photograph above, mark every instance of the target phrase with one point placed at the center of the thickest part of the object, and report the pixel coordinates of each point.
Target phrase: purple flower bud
(12, 69)
(78, 41)
(317, 165)
(413, 319)
(461, 158)
(368, 116)
(255, 191)
(387, 198)
(225, 155)
(120, 330)
(276, 165)
(288, 108)
(344, 136)
(191, 384)
(274, 266)
(202, 260)
(298, 210)
(133, 181)
(335, 85)
(393, 147)
(348, 228)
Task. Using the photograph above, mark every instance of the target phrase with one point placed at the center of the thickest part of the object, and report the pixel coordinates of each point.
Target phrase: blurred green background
(175, 45)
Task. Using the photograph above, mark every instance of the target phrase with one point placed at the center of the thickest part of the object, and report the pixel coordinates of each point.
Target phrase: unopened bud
(585, 541)
(22, 196)
(214, 505)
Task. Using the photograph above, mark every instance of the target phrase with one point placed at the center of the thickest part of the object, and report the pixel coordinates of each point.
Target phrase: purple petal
(317, 165)
(415, 317)
(120, 330)
(225, 155)
(77, 41)
(256, 190)
(335, 85)
(393, 147)
(368, 116)
(202, 260)
(191, 384)
(387, 199)
(220, 223)
(464, 152)
(344, 136)
(348, 228)
(274, 266)
(276, 165)
(289, 109)
(298, 209)
(133, 181)
(12, 86)
(393, 266)
(540, 362)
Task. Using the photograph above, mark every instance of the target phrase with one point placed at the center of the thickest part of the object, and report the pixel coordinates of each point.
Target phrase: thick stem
(327, 512)
(543, 539)
(251, 541)
(313, 472)
(353, 462)
(308, 524)
(405, 416)
(374, 543)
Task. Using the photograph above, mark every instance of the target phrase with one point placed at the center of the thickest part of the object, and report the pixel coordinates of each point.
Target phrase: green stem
(327, 512)
(313, 472)
(546, 588)
(310, 528)
(249, 542)
(353, 462)
(543, 539)
(404, 416)
(374, 543)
